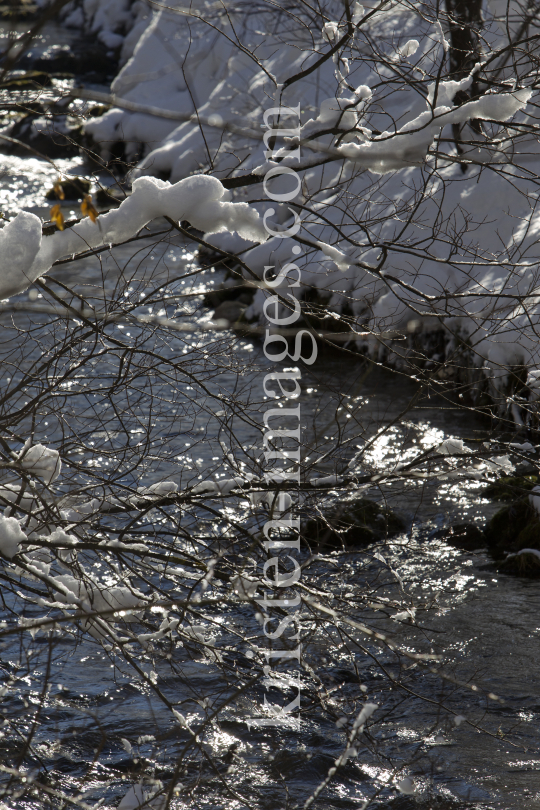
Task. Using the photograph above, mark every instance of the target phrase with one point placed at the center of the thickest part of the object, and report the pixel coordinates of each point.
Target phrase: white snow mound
(11, 536)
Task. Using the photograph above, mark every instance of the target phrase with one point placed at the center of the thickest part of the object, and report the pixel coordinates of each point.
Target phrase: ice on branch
(203, 201)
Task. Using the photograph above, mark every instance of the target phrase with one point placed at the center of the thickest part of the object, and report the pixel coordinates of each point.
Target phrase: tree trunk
(464, 20)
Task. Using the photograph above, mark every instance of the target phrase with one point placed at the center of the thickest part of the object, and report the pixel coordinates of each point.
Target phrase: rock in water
(465, 536)
(352, 523)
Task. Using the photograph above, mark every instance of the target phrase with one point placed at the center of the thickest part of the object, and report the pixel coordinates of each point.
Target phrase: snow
(11, 536)
(364, 715)
(41, 461)
(203, 201)
(446, 91)
(93, 597)
(440, 33)
(11, 492)
(162, 488)
(223, 486)
(327, 480)
(406, 786)
(453, 447)
(534, 499)
(525, 447)
(226, 485)
(499, 464)
(228, 86)
(409, 49)
(404, 615)
(533, 383)
(205, 486)
(62, 538)
(109, 19)
(156, 71)
(339, 258)
(133, 799)
(20, 242)
(358, 12)
(532, 551)
(244, 588)
(390, 151)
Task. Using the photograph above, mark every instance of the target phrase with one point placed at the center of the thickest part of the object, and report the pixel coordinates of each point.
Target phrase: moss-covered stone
(73, 189)
(514, 527)
(27, 81)
(98, 110)
(465, 536)
(509, 488)
(42, 137)
(238, 292)
(352, 523)
(521, 565)
(422, 803)
(17, 10)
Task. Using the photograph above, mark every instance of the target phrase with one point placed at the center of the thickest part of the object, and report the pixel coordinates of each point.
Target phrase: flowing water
(485, 624)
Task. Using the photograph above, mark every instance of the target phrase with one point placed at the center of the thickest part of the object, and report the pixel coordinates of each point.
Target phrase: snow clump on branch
(203, 201)
(11, 536)
(41, 461)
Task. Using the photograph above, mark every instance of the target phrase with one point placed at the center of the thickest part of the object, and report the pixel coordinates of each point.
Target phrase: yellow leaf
(57, 217)
(87, 208)
(58, 190)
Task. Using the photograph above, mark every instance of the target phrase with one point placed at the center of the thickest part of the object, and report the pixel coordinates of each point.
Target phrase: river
(483, 623)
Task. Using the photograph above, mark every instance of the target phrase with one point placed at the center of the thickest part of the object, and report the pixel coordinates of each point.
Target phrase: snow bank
(111, 20)
(227, 86)
(172, 51)
(203, 201)
(108, 19)
(182, 60)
